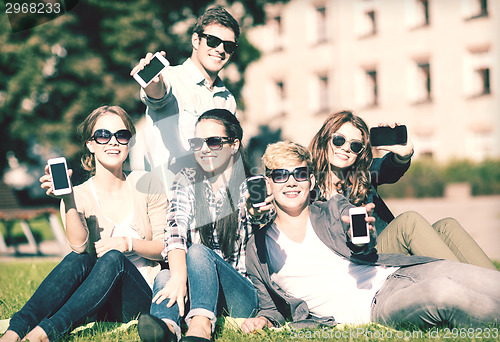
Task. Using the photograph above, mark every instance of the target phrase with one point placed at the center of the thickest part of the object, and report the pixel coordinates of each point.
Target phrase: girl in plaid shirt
(203, 243)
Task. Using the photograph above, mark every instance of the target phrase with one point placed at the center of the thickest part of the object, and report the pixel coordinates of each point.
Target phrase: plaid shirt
(182, 230)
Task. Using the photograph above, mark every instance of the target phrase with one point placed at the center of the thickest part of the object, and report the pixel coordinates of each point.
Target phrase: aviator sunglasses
(213, 143)
(355, 146)
(301, 174)
(213, 42)
(103, 136)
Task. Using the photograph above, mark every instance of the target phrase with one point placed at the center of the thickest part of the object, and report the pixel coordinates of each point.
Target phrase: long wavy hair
(226, 223)
(86, 128)
(355, 181)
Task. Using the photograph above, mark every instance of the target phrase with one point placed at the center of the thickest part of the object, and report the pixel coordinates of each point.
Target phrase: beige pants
(411, 234)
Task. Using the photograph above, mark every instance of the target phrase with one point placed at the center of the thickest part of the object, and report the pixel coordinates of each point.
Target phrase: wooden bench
(11, 212)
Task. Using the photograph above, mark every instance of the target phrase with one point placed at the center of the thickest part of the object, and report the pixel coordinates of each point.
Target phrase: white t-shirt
(330, 284)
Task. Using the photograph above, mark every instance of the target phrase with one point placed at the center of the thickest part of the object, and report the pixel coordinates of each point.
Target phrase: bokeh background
(432, 65)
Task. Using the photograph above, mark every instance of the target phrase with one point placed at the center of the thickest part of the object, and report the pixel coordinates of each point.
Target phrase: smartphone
(385, 135)
(360, 233)
(60, 177)
(258, 191)
(145, 76)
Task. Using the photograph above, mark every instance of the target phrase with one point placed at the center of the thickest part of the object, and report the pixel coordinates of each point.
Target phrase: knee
(409, 221)
(197, 251)
(448, 224)
(112, 257)
(84, 260)
(198, 255)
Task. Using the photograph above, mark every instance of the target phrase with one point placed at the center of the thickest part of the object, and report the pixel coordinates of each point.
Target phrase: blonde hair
(285, 153)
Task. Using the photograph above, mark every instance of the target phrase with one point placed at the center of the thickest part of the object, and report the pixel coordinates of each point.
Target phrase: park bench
(11, 212)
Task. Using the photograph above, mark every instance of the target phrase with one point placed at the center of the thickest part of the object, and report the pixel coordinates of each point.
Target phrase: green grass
(19, 280)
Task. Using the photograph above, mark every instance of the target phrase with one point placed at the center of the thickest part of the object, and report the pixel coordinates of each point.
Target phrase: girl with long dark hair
(203, 243)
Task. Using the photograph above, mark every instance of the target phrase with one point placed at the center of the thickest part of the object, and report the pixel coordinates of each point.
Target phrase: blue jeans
(215, 287)
(79, 287)
(439, 293)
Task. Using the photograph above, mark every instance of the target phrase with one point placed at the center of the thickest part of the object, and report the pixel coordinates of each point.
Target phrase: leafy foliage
(53, 75)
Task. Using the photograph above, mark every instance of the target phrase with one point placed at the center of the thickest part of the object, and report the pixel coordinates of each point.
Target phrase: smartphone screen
(151, 70)
(358, 225)
(386, 136)
(257, 190)
(59, 176)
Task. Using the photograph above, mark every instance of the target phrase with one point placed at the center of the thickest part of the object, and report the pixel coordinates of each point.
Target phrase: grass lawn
(20, 278)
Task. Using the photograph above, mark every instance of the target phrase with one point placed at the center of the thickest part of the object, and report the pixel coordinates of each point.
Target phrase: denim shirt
(274, 303)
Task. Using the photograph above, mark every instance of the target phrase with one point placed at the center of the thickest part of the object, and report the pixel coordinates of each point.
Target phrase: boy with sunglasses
(182, 93)
(307, 270)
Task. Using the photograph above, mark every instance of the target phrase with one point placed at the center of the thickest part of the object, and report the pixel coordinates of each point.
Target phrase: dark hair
(217, 15)
(226, 223)
(356, 180)
(86, 128)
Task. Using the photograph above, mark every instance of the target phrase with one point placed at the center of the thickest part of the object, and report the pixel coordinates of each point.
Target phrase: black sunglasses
(103, 136)
(213, 143)
(355, 146)
(213, 42)
(301, 174)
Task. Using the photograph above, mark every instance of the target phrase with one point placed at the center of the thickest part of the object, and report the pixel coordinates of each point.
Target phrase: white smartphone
(145, 76)
(360, 233)
(60, 177)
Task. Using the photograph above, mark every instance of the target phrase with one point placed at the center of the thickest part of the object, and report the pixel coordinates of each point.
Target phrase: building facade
(432, 65)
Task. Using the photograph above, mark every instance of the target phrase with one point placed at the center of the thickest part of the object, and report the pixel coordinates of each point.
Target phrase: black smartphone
(385, 135)
(258, 190)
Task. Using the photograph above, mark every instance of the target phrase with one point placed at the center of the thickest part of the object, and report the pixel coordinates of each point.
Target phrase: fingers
(144, 61)
(180, 303)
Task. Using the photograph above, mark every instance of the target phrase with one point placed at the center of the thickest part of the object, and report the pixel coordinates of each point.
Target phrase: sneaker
(153, 329)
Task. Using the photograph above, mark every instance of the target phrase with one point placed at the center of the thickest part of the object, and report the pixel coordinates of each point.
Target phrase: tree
(53, 75)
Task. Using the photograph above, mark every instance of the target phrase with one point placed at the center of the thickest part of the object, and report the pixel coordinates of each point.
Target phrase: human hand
(47, 184)
(155, 86)
(255, 323)
(404, 152)
(104, 245)
(175, 289)
(258, 212)
(369, 219)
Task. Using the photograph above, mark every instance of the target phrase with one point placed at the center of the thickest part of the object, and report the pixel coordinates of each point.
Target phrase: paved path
(480, 216)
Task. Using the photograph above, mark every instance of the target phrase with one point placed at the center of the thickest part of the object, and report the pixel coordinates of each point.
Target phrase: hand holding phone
(387, 136)
(58, 170)
(360, 230)
(257, 189)
(150, 71)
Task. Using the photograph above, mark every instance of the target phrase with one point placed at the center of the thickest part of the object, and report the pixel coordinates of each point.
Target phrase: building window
(479, 142)
(417, 13)
(419, 82)
(319, 92)
(366, 22)
(321, 25)
(275, 26)
(371, 88)
(424, 144)
(276, 98)
(475, 8)
(477, 73)
(367, 92)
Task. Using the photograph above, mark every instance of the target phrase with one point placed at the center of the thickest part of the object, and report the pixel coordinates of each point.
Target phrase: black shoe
(153, 329)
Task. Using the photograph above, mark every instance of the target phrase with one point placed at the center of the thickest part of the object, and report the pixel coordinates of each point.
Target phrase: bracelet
(130, 246)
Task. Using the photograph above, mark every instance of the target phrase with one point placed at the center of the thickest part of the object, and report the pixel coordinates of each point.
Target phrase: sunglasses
(355, 146)
(213, 42)
(103, 136)
(301, 174)
(213, 143)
